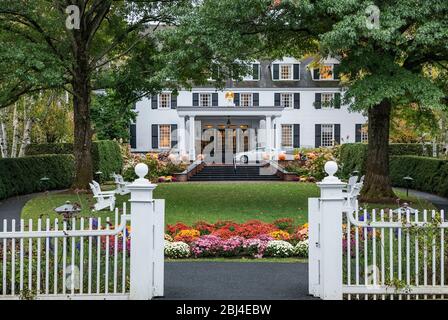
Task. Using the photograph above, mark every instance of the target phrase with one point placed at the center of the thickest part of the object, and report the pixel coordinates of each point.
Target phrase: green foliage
(106, 155)
(353, 156)
(107, 158)
(429, 174)
(22, 175)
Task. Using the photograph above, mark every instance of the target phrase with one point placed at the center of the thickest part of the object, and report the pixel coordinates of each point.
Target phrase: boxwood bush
(106, 155)
(23, 175)
(429, 174)
(353, 156)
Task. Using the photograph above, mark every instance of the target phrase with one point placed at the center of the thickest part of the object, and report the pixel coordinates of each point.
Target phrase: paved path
(233, 280)
(12, 207)
(440, 202)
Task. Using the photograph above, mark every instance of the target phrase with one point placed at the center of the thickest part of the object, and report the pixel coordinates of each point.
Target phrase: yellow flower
(280, 235)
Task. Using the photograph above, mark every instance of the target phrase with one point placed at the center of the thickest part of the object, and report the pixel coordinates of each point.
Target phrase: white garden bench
(104, 199)
(122, 186)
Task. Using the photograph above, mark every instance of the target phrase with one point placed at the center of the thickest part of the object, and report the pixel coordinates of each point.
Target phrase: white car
(257, 154)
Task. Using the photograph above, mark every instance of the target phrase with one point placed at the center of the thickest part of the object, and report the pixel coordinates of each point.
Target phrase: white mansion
(283, 104)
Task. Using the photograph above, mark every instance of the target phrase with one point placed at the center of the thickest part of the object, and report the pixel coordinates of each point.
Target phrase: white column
(278, 134)
(142, 249)
(182, 135)
(192, 139)
(330, 234)
(268, 132)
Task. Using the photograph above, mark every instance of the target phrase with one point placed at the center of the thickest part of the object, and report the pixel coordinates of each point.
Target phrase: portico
(219, 134)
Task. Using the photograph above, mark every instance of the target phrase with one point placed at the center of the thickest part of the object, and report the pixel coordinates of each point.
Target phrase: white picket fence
(373, 254)
(88, 258)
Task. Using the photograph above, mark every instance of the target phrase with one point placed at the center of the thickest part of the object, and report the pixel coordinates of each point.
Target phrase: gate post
(330, 234)
(143, 218)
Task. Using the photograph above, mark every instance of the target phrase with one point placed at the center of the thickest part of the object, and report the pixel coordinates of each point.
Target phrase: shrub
(188, 235)
(280, 235)
(22, 175)
(429, 174)
(279, 248)
(177, 250)
(353, 156)
(106, 154)
(301, 249)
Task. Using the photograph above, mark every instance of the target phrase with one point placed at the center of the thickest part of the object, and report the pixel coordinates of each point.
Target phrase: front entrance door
(228, 144)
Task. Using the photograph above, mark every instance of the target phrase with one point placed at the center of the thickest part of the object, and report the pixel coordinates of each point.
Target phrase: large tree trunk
(81, 105)
(28, 121)
(377, 184)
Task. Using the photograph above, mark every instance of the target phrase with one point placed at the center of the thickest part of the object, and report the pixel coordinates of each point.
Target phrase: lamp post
(44, 181)
(408, 180)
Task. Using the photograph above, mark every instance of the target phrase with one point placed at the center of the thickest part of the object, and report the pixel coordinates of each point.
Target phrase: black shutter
(133, 136)
(236, 99)
(277, 99)
(358, 128)
(296, 72)
(276, 73)
(214, 99)
(337, 100)
(256, 99)
(336, 72)
(256, 71)
(337, 133)
(318, 135)
(318, 101)
(154, 102)
(296, 100)
(316, 74)
(155, 136)
(173, 135)
(195, 99)
(296, 143)
(173, 101)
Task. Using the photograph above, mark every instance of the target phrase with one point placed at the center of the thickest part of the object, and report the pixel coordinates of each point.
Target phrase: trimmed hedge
(22, 175)
(353, 156)
(429, 174)
(106, 154)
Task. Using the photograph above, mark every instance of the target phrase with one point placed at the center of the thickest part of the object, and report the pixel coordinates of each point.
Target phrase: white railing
(91, 258)
(373, 254)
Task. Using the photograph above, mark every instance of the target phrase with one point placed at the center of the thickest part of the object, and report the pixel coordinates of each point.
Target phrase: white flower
(279, 248)
(301, 249)
(177, 250)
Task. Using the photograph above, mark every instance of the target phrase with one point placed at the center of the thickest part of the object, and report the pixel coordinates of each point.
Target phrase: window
(286, 72)
(326, 72)
(286, 100)
(327, 100)
(246, 100)
(287, 138)
(205, 99)
(164, 101)
(164, 136)
(327, 134)
(364, 134)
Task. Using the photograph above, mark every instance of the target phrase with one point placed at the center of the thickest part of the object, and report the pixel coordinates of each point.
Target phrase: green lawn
(190, 202)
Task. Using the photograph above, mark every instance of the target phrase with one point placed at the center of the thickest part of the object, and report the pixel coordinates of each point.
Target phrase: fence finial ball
(331, 167)
(141, 170)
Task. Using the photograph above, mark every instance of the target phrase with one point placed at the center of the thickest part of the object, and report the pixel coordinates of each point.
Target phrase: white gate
(376, 254)
(88, 258)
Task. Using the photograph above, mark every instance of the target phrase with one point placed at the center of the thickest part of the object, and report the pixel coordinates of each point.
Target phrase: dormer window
(254, 75)
(326, 72)
(285, 71)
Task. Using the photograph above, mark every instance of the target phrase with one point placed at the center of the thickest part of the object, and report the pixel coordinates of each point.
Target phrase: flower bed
(252, 239)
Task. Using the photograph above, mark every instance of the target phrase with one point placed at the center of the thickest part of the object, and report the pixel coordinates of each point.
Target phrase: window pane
(165, 101)
(205, 99)
(286, 100)
(327, 134)
(246, 99)
(285, 72)
(364, 134)
(327, 99)
(287, 136)
(165, 136)
(326, 72)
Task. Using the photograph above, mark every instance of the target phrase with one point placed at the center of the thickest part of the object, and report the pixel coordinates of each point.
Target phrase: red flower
(175, 228)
